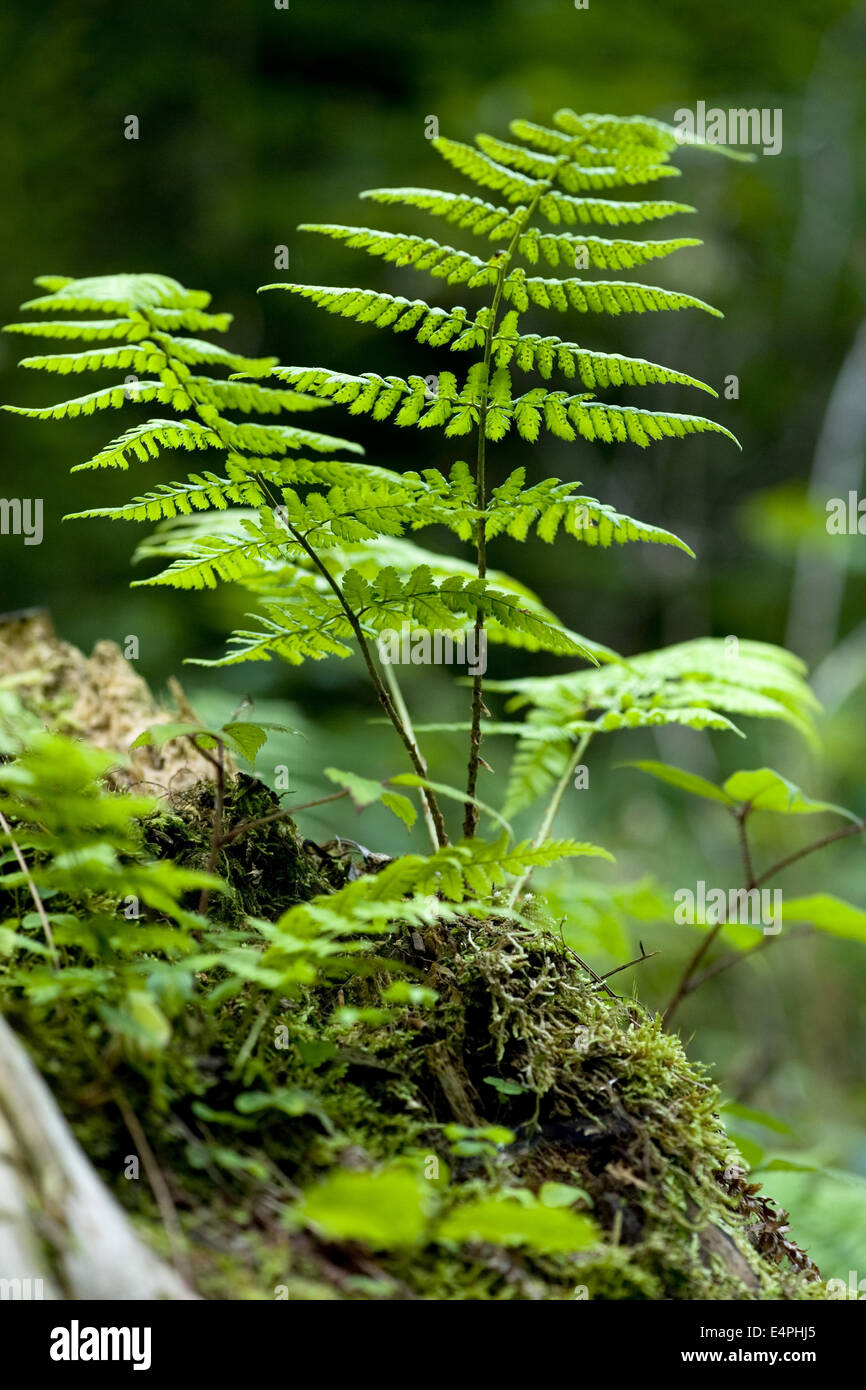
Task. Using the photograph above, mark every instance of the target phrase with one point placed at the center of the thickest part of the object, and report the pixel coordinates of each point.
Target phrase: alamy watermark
(21, 1290)
(855, 1288)
(22, 516)
(846, 516)
(737, 126)
(702, 906)
(436, 648)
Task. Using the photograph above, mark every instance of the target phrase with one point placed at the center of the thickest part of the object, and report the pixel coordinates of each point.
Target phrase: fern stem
(384, 696)
(403, 711)
(470, 822)
(550, 814)
(385, 700)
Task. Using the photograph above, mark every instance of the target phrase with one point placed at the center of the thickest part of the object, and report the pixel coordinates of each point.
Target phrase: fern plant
(322, 541)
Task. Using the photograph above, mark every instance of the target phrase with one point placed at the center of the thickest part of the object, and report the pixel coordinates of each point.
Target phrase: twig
(550, 815)
(647, 955)
(740, 816)
(282, 814)
(216, 836)
(158, 1185)
(736, 956)
(34, 891)
(809, 849)
(402, 710)
(599, 979)
(684, 985)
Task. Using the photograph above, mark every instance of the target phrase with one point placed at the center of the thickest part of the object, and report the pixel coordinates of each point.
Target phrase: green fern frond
(144, 442)
(195, 352)
(442, 262)
(458, 410)
(249, 398)
(531, 351)
(600, 252)
(93, 330)
(513, 510)
(142, 357)
(117, 294)
(596, 296)
(512, 184)
(599, 169)
(233, 558)
(200, 492)
(635, 132)
(462, 210)
(265, 439)
(561, 208)
(693, 684)
(473, 214)
(434, 326)
(110, 398)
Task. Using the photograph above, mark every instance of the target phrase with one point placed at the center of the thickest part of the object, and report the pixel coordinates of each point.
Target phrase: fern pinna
(321, 541)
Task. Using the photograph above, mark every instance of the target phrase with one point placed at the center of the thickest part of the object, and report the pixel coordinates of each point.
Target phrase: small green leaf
(158, 734)
(385, 1209)
(766, 790)
(505, 1088)
(561, 1194)
(245, 738)
(827, 913)
(512, 1222)
(411, 779)
(365, 791)
(686, 781)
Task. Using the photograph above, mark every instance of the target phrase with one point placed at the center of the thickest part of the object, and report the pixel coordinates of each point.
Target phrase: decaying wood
(454, 1082)
(100, 698)
(58, 1223)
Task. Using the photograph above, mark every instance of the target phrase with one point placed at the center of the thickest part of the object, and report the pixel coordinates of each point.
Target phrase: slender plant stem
(403, 711)
(809, 849)
(217, 835)
(382, 693)
(283, 814)
(158, 1185)
(550, 814)
(684, 984)
(741, 816)
(736, 957)
(689, 980)
(385, 700)
(34, 891)
(470, 822)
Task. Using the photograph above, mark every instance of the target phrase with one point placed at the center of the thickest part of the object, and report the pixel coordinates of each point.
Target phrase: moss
(266, 870)
(596, 1095)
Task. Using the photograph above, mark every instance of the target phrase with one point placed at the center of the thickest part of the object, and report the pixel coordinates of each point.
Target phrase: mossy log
(603, 1100)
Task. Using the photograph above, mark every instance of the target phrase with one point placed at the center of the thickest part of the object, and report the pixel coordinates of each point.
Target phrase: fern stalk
(213, 422)
(470, 822)
(550, 814)
(382, 693)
